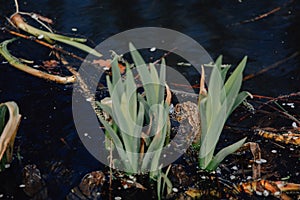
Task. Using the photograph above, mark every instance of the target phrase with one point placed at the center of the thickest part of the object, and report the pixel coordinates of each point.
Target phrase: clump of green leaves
(139, 147)
(221, 100)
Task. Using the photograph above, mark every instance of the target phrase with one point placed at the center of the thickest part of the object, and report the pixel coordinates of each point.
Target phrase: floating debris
(266, 193)
(174, 189)
(292, 105)
(261, 161)
(294, 125)
(232, 177)
(184, 64)
(118, 198)
(74, 29)
(153, 49)
(274, 151)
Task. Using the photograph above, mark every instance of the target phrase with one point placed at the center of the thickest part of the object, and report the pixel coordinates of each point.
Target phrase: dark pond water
(46, 107)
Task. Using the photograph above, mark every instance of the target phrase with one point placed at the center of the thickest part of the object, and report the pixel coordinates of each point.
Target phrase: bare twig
(250, 76)
(165, 55)
(259, 17)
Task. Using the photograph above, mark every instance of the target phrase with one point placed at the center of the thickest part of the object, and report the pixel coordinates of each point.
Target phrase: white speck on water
(263, 160)
(74, 29)
(203, 177)
(249, 177)
(266, 193)
(175, 189)
(54, 108)
(4, 62)
(258, 193)
(21, 186)
(249, 166)
(234, 168)
(86, 134)
(118, 198)
(25, 117)
(294, 125)
(98, 193)
(153, 49)
(35, 66)
(232, 177)
(292, 149)
(289, 12)
(40, 37)
(125, 186)
(7, 166)
(1, 195)
(258, 162)
(274, 151)
(283, 104)
(292, 105)
(89, 99)
(164, 155)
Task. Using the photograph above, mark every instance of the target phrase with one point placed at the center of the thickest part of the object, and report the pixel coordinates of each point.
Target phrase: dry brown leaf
(9, 132)
(169, 94)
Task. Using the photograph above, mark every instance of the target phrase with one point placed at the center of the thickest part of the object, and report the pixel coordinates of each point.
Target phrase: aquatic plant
(139, 147)
(8, 131)
(215, 107)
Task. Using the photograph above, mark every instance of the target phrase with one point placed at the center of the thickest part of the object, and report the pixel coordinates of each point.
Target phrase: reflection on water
(46, 107)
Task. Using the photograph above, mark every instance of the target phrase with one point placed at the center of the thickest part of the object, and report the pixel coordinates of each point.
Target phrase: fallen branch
(259, 17)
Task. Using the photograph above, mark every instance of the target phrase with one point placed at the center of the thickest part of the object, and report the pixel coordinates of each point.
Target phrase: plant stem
(17, 6)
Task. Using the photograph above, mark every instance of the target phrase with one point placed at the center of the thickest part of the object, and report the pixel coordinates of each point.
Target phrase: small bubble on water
(274, 151)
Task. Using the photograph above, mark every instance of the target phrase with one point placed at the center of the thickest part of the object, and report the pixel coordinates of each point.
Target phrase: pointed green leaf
(223, 153)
